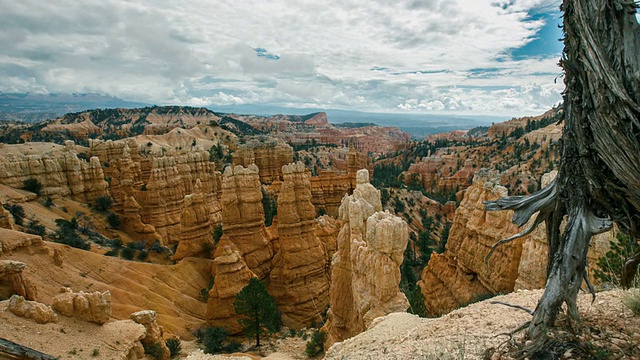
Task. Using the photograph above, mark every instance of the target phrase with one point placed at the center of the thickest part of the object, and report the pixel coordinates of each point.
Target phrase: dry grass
(631, 299)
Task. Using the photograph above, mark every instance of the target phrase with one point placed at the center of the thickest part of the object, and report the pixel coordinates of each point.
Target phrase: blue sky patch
(262, 52)
(546, 42)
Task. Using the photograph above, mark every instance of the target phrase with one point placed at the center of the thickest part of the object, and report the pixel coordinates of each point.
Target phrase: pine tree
(257, 308)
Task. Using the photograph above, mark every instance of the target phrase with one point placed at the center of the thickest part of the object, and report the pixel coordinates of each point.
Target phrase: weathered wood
(11, 350)
(599, 175)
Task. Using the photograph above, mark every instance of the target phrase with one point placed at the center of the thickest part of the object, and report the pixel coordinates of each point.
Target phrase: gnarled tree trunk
(599, 176)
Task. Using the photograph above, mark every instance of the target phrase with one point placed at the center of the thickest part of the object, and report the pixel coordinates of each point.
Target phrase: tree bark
(599, 175)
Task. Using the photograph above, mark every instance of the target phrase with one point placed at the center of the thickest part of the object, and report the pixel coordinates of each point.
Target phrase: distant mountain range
(34, 108)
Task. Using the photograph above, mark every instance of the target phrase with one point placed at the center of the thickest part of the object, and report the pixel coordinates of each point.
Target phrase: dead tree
(598, 180)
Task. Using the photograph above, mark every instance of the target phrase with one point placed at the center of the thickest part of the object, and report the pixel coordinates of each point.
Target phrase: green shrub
(103, 203)
(48, 202)
(199, 334)
(74, 240)
(113, 252)
(17, 212)
(416, 302)
(143, 255)
(315, 346)
(32, 185)
(203, 295)
(217, 233)
(155, 351)
(174, 345)
(136, 245)
(610, 266)
(114, 220)
(215, 340)
(66, 234)
(34, 227)
(127, 253)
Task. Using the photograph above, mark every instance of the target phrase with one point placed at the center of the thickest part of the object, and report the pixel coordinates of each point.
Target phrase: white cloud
(428, 53)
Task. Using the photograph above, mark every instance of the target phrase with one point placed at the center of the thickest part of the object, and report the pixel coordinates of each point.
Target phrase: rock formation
(6, 220)
(365, 272)
(195, 226)
(153, 335)
(57, 168)
(459, 275)
(231, 275)
(269, 156)
(327, 229)
(299, 282)
(93, 307)
(243, 217)
(328, 189)
(133, 225)
(11, 274)
(40, 313)
(158, 184)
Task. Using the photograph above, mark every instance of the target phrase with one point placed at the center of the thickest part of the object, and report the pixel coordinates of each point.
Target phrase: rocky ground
(609, 330)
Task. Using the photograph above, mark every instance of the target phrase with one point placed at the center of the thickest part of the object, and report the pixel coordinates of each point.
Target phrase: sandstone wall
(153, 188)
(269, 156)
(299, 282)
(459, 275)
(195, 226)
(243, 217)
(60, 172)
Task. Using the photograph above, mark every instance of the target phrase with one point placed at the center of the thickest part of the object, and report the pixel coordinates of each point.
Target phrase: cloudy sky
(491, 57)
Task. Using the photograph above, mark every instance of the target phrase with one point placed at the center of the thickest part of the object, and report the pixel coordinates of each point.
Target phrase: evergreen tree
(416, 302)
(257, 309)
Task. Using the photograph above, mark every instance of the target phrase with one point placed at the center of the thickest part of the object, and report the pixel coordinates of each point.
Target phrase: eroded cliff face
(459, 275)
(269, 156)
(6, 220)
(365, 271)
(231, 275)
(195, 226)
(329, 187)
(299, 281)
(149, 190)
(243, 217)
(57, 168)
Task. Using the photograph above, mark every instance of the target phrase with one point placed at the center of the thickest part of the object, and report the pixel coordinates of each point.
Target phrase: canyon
(207, 201)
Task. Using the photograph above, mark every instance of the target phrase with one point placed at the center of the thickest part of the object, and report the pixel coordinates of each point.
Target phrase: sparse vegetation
(631, 299)
(17, 212)
(217, 233)
(103, 203)
(175, 346)
(315, 346)
(67, 234)
(216, 340)
(32, 185)
(114, 220)
(35, 227)
(610, 266)
(270, 205)
(155, 351)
